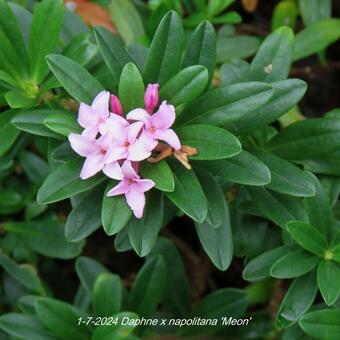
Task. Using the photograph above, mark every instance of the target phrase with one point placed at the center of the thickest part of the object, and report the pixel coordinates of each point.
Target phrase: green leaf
(298, 140)
(217, 242)
(285, 14)
(26, 304)
(8, 132)
(328, 281)
(46, 237)
(237, 46)
(211, 142)
(62, 123)
(160, 173)
(10, 28)
(278, 208)
(224, 106)
(335, 247)
(131, 88)
(88, 270)
(143, 232)
(244, 168)
(322, 324)
(61, 318)
(116, 331)
(23, 326)
(115, 212)
(177, 295)
(308, 237)
(303, 289)
(32, 121)
(316, 37)
(217, 213)
(124, 13)
(228, 302)
(259, 267)
(235, 71)
(286, 178)
(19, 100)
(85, 218)
(44, 35)
(273, 59)
(185, 86)
(315, 10)
(65, 182)
(287, 94)
(107, 295)
(76, 80)
(303, 263)
(188, 194)
(201, 49)
(319, 209)
(164, 56)
(25, 274)
(113, 51)
(147, 289)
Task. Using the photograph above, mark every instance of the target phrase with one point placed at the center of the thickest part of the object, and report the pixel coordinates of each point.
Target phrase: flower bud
(116, 106)
(151, 97)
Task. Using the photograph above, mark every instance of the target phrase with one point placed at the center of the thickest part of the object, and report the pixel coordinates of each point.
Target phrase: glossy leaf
(303, 263)
(44, 35)
(303, 289)
(65, 182)
(308, 237)
(131, 88)
(62, 123)
(143, 232)
(115, 212)
(76, 80)
(314, 10)
(201, 49)
(188, 194)
(164, 56)
(328, 276)
(210, 142)
(185, 86)
(273, 59)
(8, 132)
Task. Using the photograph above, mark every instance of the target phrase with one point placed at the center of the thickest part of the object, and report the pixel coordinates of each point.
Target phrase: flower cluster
(115, 145)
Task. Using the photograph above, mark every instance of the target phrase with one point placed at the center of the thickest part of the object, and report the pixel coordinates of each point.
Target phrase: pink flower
(98, 155)
(116, 106)
(91, 118)
(125, 144)
(157, 126)
(151, 97)
(133, 188)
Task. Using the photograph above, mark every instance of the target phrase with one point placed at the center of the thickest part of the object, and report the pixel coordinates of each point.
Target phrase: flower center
(126, 143)
(102, 151)
(151, 129)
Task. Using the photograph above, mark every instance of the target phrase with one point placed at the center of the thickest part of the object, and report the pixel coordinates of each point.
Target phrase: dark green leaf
(328, 281)
(164, 56)
(188, 194)
(8, 132)
(65, 182)
(315, 10)
(62, 123)
(76, 80)
(235, 71)
(143, 232)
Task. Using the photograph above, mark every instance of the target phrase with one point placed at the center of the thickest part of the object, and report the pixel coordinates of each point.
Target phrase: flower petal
(143, 185)
(128, 170)
(138, 151)
(164, 117)
(92, 165)
(136, 201)
(91, 132)
(100, 104)
(138, 114)
(82, 145)
(114, 129)
(148, 141)
(119, 119)
(113, 170)
(169, 136)
(115, 153)
(86, 117)
(121, 188)
(133, 131)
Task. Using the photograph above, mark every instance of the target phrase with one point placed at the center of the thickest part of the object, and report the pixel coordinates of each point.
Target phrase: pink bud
(151, 97)
(116, 106)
